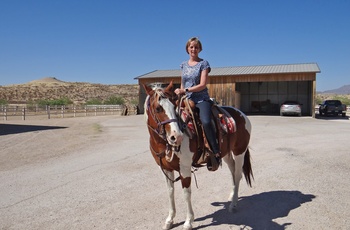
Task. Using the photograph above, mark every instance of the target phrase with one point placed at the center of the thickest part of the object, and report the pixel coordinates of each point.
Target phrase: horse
(170, 148)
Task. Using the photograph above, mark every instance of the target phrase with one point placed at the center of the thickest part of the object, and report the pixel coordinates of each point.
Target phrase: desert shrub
(114, 100)
(344, 100)
(94, 101)
(61, 101)
(318, 100)
(3, 102)
(134, 102)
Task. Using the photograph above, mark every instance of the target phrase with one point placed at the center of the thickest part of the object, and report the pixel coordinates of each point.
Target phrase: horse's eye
(159, 109)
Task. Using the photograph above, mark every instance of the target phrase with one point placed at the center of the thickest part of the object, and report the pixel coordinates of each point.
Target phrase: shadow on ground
(6, 129)
(330, 117)
(258, 211)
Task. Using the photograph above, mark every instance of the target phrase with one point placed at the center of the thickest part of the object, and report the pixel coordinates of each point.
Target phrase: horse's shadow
(258, 211)
(6, 129)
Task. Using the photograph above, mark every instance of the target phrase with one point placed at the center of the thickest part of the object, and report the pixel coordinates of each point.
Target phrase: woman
(194, 80)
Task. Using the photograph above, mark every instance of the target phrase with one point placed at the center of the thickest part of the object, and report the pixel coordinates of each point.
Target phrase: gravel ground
(97, 173)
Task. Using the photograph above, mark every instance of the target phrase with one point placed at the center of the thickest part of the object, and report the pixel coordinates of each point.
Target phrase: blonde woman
(194, 80)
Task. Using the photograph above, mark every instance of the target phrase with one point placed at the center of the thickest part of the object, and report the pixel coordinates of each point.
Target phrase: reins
(160, 131)
(160, 124)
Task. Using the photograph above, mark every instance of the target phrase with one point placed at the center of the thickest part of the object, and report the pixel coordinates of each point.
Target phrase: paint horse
(171, 150)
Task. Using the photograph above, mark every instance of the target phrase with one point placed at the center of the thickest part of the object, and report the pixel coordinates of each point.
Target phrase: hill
(342, 90)
(50, 88)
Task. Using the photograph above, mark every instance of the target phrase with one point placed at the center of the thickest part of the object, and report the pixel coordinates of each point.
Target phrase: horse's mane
(158, 88)
(158, 85)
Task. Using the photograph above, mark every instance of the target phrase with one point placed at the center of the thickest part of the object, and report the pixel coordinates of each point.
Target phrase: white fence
(34, 112)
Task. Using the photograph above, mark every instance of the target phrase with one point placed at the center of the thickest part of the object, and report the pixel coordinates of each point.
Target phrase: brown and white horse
(166, 138)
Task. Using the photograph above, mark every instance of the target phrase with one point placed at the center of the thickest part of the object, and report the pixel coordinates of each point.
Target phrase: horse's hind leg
(235, 165)
(228, 159)
(172, 210)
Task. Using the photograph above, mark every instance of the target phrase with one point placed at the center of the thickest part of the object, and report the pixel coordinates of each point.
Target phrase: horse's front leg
(172, 210)
(185, 172)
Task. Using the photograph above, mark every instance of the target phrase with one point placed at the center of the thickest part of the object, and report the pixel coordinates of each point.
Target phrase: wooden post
(74, 111)
(85, 110)
(48, 111)
(62, 111)
(5, 113)
(23, 114)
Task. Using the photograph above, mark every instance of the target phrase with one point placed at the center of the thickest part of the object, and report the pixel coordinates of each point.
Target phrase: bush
(114, 100)
(344, 100)
(61, 101)
(94, 101)
(134, 102)
(3, 102)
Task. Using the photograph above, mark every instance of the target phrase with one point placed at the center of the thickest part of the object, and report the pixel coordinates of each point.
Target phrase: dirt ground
(97, 173)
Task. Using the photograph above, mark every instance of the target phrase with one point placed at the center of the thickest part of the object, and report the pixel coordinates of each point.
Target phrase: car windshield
(333, 102)
(290, 103)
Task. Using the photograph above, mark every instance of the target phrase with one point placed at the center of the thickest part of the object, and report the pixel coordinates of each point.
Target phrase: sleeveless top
(191, 76)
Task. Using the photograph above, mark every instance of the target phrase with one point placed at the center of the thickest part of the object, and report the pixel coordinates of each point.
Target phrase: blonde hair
(196, 40)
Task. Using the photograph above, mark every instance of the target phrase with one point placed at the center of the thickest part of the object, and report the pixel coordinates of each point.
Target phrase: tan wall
(223, 88)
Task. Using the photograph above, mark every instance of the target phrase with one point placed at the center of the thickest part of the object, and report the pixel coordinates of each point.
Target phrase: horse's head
(160, 114)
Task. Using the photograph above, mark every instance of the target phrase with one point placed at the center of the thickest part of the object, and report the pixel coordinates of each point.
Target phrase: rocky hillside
(342, 90)
(79, 92)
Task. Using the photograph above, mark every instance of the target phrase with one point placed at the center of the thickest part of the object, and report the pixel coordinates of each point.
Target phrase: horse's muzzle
(175, 138)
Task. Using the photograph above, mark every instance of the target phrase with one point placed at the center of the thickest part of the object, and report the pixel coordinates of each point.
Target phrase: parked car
(290, 108)
(334, 107)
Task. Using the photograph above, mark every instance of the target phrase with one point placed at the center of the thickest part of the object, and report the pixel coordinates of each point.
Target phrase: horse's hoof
(167, 226)
(187, 228)
(232, 208)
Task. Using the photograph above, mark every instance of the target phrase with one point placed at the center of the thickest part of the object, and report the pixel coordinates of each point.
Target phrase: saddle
(223, 123)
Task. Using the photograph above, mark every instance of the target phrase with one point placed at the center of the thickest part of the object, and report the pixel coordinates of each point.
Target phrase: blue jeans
(205, 117)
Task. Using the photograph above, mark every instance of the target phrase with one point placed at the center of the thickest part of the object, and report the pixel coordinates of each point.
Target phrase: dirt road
(97, 173)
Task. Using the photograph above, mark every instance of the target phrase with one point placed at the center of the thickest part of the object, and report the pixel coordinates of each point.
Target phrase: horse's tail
(247, 168)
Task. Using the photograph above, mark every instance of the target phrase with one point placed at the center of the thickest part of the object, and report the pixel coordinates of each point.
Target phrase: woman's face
(193, 49)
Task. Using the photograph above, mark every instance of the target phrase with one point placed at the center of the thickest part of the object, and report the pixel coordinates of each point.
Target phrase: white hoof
(187, 228)
(230, 197)
(232, 207)
(167, 225)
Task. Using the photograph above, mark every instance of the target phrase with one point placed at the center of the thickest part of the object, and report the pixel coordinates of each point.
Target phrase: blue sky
(112, 42)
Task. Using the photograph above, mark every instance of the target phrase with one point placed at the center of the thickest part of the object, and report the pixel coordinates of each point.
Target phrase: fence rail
(48, 112)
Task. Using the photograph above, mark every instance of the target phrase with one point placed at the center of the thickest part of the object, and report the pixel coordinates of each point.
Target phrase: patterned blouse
(191, 76)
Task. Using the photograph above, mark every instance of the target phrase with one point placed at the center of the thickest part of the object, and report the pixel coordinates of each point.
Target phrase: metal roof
(242, 70)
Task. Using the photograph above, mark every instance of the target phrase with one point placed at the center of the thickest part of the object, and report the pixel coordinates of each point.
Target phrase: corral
(97, 173)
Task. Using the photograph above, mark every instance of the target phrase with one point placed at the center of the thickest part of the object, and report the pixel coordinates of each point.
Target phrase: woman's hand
(179, 91)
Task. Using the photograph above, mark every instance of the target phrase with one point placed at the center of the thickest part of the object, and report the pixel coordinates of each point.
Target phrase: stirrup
(214, 162)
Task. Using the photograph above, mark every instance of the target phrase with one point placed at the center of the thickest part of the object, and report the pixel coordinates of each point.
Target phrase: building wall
(245, 91)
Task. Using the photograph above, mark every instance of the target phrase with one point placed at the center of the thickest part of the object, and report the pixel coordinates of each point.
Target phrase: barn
(256, 89)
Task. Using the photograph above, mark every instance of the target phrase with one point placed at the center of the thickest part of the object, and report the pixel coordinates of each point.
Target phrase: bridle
(160, 130)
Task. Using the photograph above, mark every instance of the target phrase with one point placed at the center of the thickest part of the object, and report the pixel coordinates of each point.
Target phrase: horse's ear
(169, 88)
(148, 89)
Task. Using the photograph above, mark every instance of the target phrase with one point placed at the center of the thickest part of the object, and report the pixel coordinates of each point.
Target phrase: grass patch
(97, 128)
